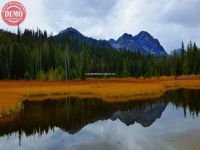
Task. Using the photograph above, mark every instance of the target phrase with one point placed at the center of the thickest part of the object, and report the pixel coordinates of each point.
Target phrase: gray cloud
(81, 8)
(184, 13)
(170, 21)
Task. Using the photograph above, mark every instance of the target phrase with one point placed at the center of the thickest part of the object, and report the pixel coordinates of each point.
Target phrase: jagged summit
(143, 42)
(126, 36)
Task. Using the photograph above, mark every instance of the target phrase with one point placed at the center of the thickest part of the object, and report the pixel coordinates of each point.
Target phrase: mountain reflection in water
(72, 114)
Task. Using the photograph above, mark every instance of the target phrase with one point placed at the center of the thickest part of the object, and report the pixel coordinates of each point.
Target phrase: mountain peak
(126, 36)
(149, 44)
(70, 30)
(143, 42)
(76, 35)
(144, 35)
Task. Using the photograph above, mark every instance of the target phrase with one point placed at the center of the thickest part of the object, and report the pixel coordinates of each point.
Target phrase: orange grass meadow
(12, 93)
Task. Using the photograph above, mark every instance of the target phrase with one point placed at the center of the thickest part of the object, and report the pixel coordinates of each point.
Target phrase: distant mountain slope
(75, 34)
(143, 42)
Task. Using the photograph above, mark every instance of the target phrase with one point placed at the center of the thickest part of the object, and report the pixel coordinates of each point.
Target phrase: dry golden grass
(111, 90)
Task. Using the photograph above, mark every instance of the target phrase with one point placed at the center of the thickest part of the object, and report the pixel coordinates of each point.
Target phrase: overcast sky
(171, 21)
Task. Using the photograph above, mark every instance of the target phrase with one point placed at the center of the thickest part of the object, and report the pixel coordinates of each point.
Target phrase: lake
(169, 122)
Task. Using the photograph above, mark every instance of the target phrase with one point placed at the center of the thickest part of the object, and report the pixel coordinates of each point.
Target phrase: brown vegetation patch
(111, 90)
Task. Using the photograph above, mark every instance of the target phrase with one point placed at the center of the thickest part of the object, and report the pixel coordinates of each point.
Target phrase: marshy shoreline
(12, 93)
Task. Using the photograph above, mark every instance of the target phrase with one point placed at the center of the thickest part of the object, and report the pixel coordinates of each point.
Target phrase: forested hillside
(35, 55)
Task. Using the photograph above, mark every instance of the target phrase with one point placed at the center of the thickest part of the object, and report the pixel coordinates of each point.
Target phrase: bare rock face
(143, 43)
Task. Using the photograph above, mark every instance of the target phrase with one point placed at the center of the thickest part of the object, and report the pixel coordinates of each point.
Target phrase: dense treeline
(35, 55)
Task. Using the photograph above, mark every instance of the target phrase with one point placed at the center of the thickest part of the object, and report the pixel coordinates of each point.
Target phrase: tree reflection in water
(72, 114)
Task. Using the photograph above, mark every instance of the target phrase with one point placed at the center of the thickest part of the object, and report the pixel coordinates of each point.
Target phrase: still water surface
(167, 123)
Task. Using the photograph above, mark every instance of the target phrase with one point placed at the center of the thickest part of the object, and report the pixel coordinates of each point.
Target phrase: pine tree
(83, 68)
